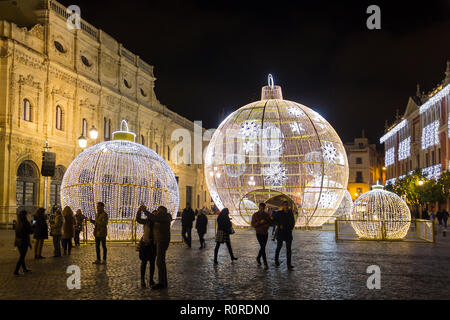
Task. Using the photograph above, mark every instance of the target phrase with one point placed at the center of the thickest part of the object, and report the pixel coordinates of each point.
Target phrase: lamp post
(93, 133)
(82, 142)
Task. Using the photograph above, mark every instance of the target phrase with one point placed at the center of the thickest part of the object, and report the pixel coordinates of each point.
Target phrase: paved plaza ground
(324, 270)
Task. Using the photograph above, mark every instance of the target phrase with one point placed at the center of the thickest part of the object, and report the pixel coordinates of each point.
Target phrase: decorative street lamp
(93, 133)
(82, 142)
(420, 183)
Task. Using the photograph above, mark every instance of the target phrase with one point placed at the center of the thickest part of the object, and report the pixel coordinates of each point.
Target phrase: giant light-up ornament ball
(276, 148)
(379, 214)
(122, 174)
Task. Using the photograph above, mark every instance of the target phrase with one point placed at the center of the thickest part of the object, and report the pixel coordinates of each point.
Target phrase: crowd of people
(66, 226)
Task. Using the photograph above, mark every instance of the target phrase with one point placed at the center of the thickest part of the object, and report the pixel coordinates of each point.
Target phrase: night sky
(211, 56)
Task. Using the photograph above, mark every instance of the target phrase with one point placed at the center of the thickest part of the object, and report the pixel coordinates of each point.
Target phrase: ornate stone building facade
(55, 84)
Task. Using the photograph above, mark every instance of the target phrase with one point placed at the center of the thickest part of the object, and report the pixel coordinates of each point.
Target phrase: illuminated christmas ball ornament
(122, 174)
(274, 149)
(344, 211)
(380, 214)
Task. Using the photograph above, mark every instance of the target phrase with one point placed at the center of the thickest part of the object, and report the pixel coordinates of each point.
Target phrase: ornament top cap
(271, 91)
(377, 186)
(124, 133)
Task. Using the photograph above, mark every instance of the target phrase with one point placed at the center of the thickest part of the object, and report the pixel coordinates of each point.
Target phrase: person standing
(261, 221)
(187, 219)
(161, 236)
(40, 232)
(22, 240)
(224, 229)
(201, 225)
(439, 217)
(147, 250)
(79, 219)
(56, 232)
(67, 230)
(100, 231)
(285, 222)
(444, 217)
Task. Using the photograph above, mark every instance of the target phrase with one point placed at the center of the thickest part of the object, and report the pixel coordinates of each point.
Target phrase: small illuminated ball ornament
(275, 148)
(122, 174)
(380, 215)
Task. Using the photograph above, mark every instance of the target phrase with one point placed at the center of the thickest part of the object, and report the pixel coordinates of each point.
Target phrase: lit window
(389, 157)
(404, 149)
(26, 112)
(430, 135)
(58, 123)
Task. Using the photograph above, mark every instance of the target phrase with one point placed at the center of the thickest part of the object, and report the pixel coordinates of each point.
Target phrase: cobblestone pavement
(324, 270)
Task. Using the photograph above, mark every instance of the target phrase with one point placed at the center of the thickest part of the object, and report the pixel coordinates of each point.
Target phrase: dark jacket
(224, 223)
(201, 223)
(187, 218)
(23, 231)
(285, 222)
(261, 221)
(161, 227)
(445, 215)
(40, 228)
(101, 225)
(148, 227)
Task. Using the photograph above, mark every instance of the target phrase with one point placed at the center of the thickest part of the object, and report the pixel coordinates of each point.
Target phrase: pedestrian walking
(161, 236)
(445, 217)
(56, 232)
(187, 219)
(201, 224)
(68, 230)
(285, 222)
(22, 240)
(261, 221)
(147, 249)
(100, 231)
(439, 216)
(224, 229)
(79, 219)
(40, 230)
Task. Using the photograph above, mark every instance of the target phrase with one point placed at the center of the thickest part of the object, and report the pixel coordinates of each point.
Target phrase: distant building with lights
(55, 84)
(420, 138)
(365, 166)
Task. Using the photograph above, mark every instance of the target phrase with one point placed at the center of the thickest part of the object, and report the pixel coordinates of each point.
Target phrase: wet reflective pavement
(324, 269)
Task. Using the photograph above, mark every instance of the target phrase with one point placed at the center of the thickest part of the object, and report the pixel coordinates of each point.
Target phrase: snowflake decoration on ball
(248, 147)
(296, 127)
(329, 152)
(327, 199)
(249, 129)
(275, 174)
(296, 112)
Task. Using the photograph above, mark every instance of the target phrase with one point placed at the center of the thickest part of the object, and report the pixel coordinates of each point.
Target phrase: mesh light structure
(122, 174)
(346, 207)
(380, 215)
(276, 147)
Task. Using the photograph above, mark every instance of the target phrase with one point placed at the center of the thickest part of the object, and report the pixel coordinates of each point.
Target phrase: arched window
(107, 128)
(142, 140)
(168, 153)
(156, 148)
(59, 118)
(27, 185)
(26, 112)
(84, 128)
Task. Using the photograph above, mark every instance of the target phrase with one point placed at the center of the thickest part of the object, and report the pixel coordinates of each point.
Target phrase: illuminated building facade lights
(394, 130)
(389, 157)
(404, 149)
(435, 99)
(430, 135)
(432, 172)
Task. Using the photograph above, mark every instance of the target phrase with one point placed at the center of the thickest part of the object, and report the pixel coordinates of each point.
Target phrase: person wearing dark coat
(285, 222)
(79, 219)
(187, 219)
(445, 217)
(224, 229)
(201, 225)
(147, 250)
(161, 235)
(22, 241)
(439, 217)
(40, 230)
